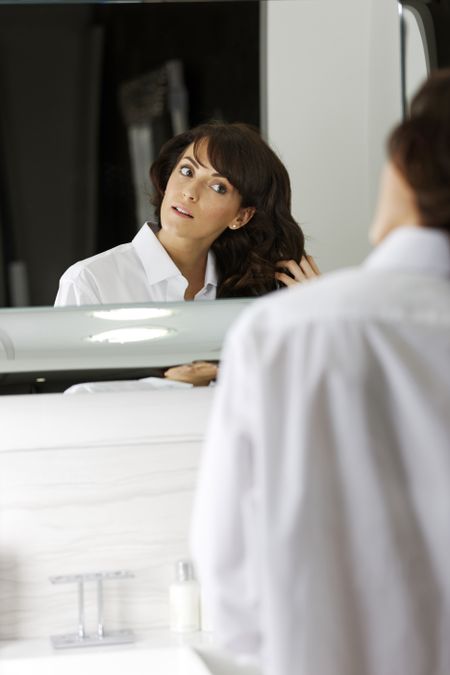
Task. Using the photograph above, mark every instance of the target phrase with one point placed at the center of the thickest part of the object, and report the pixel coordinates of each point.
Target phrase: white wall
(333, 90)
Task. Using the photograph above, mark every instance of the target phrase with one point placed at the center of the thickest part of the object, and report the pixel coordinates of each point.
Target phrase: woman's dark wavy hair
(245, 258)
(419, 147)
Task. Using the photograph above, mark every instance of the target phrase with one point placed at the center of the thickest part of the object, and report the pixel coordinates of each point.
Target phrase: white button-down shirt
(140, 271)
(321, 527)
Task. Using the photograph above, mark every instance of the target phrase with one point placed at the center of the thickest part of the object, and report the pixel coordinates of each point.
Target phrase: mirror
(322, 79)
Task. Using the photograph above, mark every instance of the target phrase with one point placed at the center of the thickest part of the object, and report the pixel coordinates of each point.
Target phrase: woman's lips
(181, 211)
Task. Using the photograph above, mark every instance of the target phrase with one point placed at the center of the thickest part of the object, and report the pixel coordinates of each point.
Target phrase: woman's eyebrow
(192, 160)
(196, 164)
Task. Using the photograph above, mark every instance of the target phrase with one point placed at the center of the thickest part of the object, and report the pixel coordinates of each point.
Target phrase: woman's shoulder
(100, 263)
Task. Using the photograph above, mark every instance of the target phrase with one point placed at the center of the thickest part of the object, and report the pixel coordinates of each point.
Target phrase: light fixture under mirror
(65, 346)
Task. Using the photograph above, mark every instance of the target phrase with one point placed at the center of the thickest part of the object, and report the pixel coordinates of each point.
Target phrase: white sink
(98, 661)
(156, 653)
(159, 653)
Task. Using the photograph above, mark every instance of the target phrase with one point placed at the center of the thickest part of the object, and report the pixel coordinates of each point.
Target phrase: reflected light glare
(123, 335)
(131, 313)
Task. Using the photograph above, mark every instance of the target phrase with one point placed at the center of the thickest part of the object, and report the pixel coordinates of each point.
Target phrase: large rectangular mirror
(321, 79)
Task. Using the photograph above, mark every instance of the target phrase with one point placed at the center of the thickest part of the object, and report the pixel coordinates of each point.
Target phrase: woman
(321, 523)
(224, 228)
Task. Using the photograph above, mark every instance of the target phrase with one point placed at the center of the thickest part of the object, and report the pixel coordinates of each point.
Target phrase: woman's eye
(186, 171)
(219, 188)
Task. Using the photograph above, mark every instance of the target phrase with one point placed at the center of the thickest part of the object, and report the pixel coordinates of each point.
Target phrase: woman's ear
(243, 217)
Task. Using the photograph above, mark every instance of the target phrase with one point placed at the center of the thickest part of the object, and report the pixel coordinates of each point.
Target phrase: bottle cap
(184, 570)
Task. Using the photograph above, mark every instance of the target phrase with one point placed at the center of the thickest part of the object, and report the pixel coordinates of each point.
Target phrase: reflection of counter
(94, 482)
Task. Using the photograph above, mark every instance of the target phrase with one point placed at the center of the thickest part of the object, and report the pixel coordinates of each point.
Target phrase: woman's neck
(190, 258)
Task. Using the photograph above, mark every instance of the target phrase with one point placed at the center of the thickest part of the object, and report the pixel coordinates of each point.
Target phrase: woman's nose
(190, 192)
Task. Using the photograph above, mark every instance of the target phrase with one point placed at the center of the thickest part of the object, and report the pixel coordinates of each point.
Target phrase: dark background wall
(440, 12)
(218, 43)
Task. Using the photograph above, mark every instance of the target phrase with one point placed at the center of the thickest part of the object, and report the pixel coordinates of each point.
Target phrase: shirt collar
(158, 264)
(413, 249)
(210, 272)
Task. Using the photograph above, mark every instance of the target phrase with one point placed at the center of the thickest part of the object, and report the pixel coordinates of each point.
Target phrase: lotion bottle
(184, 599)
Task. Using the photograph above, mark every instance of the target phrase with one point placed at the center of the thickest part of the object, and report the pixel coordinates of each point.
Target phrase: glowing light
(132, 313)
(124, 335)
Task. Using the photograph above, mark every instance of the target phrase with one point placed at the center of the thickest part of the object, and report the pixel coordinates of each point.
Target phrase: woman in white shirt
(321, 529)
(224, 228)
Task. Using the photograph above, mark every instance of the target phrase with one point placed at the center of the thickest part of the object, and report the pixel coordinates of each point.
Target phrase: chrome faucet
(101, 637)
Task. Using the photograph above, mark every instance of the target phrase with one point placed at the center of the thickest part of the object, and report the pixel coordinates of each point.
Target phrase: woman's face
(199, 203)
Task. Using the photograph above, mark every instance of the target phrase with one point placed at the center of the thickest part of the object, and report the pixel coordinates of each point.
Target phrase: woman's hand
(307, 269)
(198, 373)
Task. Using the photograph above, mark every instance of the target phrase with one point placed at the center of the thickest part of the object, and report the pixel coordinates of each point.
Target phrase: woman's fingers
(286, 279)
(292, 273)
(309, 267)
(198, 373)
(309, 261)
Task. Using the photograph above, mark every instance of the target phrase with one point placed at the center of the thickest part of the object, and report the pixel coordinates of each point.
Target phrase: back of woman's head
(245, 258)
(420, 149)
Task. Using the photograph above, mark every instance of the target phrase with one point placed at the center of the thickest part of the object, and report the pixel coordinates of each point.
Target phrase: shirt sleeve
(75, 291)
(224, 511)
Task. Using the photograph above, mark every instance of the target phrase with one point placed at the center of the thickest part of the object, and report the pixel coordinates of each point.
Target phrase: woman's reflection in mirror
(224, 228)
